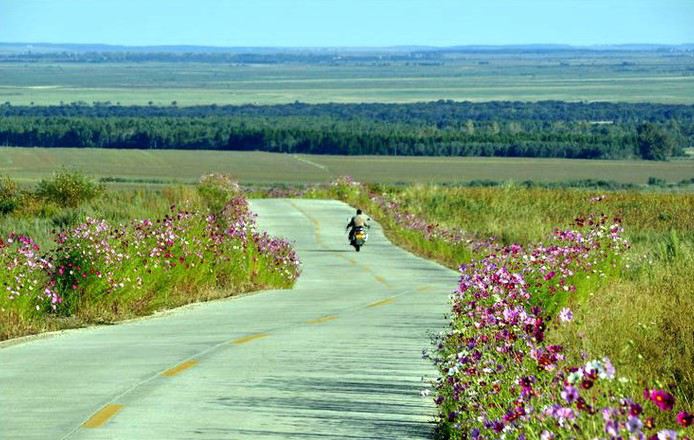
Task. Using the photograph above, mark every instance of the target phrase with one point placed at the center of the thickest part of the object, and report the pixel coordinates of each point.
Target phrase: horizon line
(396, 46)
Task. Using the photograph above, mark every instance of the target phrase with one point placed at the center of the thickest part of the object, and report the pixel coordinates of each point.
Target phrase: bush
(656, 181)
(9, 195)
(68, 188)
(217, 189)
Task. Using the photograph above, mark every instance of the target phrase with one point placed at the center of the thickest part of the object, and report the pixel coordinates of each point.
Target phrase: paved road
(337, 357)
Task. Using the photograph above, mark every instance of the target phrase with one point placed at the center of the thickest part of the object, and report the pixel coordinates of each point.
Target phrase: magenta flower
(662, 399)
(685, 419)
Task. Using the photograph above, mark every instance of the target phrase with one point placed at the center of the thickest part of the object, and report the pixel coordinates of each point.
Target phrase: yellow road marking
(102, 416)
(312, 219)
(350, 260)
(322, 320)
(382, 302)
(378, 278)
(180, 367)
(381, 280)
(424, 289)
(249, 338)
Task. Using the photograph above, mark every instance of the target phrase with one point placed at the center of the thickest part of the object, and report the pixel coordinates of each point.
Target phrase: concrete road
(337, 357)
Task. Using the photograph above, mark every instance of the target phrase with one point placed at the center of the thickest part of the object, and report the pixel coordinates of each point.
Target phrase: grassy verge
(131, 253)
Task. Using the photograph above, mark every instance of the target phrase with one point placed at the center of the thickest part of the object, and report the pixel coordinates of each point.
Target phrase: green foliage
(67, 218)
(9, 195)
(68, 188)
(502, 129)
(654, 142)
(217, 189)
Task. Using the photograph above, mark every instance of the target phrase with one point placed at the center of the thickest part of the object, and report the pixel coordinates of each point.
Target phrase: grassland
(147, 166)
(620, 77)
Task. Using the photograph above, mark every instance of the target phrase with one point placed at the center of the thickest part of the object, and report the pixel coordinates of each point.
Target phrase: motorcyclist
(358, 221)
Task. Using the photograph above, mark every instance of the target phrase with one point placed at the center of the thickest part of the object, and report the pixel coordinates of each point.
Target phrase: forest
(597, 130)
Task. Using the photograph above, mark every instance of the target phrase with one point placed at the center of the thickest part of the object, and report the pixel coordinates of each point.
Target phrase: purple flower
(547, 435)
(566, 315)
(570, 394)
(634, 424)
(667, 434)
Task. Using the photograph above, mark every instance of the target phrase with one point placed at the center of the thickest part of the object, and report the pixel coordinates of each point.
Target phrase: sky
(353, 23)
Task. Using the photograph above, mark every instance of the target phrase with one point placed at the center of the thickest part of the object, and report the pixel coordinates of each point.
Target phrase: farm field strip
(186, 166)
(627, 77)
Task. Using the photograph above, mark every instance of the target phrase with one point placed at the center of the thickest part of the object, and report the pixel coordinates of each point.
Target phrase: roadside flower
(667, 435)
(547, 435)
(685, 419)
(566, 315)
(662, 399)
(634, 424)
(570, 394)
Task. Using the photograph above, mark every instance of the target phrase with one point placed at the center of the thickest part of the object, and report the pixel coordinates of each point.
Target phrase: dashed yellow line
(249, 338)
(180, 368)
(378, 278)
(312, 219)
(382, 302)
(102, 416)
(322, 320)
(381, 280)
(352, 261)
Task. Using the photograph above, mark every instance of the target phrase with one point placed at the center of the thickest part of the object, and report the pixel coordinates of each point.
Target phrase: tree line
(444, 128)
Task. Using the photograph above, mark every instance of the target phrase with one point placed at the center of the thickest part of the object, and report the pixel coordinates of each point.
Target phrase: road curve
(337, 357)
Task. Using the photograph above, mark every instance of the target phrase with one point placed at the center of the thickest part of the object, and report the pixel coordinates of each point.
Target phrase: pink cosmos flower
(662, 399)
(685, 419)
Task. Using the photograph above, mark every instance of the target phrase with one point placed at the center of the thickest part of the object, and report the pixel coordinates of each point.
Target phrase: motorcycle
(359, 238)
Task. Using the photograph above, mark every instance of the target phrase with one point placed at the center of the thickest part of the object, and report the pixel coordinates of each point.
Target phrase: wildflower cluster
(185, 250)
(500, 378)
(399, 214)
(24, 275)
(408, 220)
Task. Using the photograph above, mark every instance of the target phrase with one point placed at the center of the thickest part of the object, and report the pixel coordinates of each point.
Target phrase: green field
(619, 77)
(32, 164)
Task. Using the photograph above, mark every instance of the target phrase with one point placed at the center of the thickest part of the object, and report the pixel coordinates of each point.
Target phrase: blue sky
(347, 22)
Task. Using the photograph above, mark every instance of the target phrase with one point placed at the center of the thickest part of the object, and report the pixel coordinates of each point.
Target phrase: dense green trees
(654, 142)
(444, 128)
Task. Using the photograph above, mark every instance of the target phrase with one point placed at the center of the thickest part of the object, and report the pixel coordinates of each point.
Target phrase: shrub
(656, 181)
(68, 188)
(217, 189)
(9, 195)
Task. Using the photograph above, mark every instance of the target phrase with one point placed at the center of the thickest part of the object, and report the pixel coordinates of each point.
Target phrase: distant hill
(23, 48)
